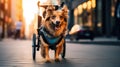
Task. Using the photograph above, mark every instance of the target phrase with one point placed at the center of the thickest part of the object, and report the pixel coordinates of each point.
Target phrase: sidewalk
(100, 39)
(105, 39)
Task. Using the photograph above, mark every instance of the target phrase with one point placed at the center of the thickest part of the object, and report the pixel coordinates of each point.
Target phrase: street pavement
(101, 52)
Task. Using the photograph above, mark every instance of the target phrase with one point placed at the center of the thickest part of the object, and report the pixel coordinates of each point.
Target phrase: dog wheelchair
(36, 44)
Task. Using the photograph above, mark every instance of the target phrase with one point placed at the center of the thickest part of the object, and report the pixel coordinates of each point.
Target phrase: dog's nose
(57, 22)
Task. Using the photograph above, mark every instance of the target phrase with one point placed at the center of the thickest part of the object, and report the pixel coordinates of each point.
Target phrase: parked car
(83, 32)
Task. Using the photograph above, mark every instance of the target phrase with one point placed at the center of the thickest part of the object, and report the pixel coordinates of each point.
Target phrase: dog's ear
(44, 14)
(50, 9)
(48, 12)
(65, 12)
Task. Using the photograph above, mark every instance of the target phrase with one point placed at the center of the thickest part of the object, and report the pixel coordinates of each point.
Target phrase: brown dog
(53, 32)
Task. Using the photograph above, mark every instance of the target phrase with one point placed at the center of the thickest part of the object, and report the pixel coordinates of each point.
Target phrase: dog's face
(56, 17)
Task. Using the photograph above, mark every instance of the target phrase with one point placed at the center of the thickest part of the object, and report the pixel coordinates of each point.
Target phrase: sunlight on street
(30, 12)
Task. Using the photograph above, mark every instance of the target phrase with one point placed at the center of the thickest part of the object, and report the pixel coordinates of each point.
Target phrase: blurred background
(99, 15)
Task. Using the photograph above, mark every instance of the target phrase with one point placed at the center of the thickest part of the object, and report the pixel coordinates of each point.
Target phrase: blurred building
(5, 15)
(10, 12)
(97, 14)
(17, 14)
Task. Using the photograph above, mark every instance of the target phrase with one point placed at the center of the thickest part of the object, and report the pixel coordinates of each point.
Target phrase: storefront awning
(75, 3)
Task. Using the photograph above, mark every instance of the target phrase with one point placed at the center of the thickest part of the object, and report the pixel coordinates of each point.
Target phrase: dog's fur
(55, 22)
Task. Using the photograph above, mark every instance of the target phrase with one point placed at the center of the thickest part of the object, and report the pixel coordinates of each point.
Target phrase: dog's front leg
(46, 48)
(59, 48)
(57, 53)
(47, 54)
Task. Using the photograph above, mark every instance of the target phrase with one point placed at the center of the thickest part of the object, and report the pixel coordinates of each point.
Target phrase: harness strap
(51, 41)
(47, 32)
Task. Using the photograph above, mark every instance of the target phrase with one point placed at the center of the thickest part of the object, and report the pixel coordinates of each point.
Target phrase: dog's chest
(51, 41)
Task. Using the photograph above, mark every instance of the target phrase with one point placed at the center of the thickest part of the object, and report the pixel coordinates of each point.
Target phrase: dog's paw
(47, 61)
(57, 60)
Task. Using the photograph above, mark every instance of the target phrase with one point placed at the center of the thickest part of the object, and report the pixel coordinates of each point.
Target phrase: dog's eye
(53, 17)
(61, 17)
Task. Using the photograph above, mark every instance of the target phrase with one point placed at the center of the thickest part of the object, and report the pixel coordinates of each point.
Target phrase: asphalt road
(98, 53)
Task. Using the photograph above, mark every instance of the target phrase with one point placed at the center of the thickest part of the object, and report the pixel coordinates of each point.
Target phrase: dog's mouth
(56, 26)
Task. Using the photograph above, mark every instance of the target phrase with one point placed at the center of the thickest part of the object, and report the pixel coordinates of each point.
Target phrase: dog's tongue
(56, 28)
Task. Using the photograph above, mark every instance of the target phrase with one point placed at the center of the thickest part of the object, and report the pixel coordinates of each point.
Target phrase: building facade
(97, 14)
(5, 16)
(17, 14)
(10, 12)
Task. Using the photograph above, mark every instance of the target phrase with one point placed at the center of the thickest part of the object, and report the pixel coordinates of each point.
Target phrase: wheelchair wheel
(64, 50)
(34, 46)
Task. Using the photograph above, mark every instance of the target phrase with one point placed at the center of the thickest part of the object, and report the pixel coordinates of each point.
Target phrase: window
(2, 1)
(1, 14)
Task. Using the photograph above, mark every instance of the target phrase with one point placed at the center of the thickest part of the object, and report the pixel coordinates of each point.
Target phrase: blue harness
(49, 38)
